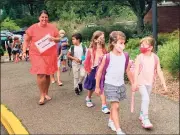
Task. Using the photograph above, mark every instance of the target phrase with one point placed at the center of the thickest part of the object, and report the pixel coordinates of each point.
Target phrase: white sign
(44, 43)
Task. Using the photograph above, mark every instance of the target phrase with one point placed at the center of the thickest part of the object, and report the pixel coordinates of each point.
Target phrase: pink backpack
(132, 65)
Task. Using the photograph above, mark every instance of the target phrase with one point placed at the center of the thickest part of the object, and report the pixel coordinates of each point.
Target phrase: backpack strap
(84, 49)
(127, 60)
(72, 50)
(107, 61)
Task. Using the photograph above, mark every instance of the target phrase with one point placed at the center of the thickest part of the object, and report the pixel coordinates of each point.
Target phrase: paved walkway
(67, 113)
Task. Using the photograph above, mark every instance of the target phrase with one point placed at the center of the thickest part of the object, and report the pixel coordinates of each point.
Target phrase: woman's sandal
(60, 84)
(41, 102)
(48, 99)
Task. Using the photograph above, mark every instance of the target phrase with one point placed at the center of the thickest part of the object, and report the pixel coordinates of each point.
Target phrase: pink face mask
(144, 50)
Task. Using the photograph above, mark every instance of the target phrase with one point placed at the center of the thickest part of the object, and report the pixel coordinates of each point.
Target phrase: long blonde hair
(114, 36)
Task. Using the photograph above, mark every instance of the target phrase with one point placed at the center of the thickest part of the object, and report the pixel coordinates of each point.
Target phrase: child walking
(96, 50)
(112, 67)
(59, 52)
(64, 48)
(147, 64)
(77, 54)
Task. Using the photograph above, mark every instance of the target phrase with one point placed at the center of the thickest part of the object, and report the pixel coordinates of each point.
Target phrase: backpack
(106, 66)
(72, 54)
(132, 65)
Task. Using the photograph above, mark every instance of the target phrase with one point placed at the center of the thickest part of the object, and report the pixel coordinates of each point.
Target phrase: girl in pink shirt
(147, 64)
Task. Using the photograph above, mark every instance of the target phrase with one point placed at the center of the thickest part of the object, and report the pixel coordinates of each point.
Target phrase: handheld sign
(44, 43)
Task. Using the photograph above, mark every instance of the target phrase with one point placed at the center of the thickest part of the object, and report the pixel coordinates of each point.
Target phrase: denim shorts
(114, 93)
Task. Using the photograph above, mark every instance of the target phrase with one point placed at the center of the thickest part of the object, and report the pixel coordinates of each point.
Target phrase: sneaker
(77, 91)
(89, 102)
(111, 125)
(146, 123)
(105, 109)
(80, 87)
(141, 116)
(120, 132)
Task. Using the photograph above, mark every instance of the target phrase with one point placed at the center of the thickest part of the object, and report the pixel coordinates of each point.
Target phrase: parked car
(4, 38)
(22, 32)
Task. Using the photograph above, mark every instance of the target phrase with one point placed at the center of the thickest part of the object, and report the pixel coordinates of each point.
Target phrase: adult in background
(16, 49)
(44, 63)
(8, 45)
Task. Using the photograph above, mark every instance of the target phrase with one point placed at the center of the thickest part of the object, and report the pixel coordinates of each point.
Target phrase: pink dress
(46, 62)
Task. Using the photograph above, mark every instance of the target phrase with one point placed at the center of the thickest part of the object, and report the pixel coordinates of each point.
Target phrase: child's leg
(82, 74)
(81, 79)
(145, 99)
(58, 76)
(90, 92)
(145, 93)
(104, 104)
(115, 114)
(76, 77)
(52, 78)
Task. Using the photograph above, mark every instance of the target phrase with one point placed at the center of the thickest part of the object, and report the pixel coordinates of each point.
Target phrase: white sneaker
(89, 102)
(111, 125)
(146, 123)
(120, 132)
(105, 110)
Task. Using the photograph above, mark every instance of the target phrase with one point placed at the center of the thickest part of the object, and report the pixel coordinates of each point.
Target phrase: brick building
(168, 14)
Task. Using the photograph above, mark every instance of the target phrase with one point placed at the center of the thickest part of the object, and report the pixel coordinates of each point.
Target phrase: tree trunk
(140, 24)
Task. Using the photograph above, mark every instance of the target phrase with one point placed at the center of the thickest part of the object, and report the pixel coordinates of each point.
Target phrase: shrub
(132, 43)
(169, 56)
(26, 21)
(9, 24)
(87, 32)
(132, 53)
(1, 51)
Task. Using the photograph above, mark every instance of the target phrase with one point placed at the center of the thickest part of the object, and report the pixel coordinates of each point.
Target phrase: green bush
(26, 21)
(87, 32)
(132, 43)
(1, 51)
(164, 37)
(9, 24)
(169, 56)
(133, 52)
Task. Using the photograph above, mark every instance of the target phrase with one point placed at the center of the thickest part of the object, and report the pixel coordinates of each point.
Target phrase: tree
(12, 14)
(4, 14)
(9, 24)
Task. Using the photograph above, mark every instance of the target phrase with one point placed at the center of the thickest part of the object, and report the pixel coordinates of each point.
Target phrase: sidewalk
(66, 113)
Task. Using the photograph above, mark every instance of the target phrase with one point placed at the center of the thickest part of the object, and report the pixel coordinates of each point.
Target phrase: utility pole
(154, 23)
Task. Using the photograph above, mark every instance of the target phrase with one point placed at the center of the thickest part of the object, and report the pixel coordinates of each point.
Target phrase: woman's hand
(52, 39)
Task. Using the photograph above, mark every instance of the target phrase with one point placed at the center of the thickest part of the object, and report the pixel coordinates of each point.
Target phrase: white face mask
(62, 35)
(119, 47)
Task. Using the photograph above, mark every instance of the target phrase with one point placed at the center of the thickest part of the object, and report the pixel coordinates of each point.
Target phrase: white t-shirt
(115, 70)
(78, 52)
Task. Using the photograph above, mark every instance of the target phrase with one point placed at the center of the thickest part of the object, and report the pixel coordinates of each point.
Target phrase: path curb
(11, 123)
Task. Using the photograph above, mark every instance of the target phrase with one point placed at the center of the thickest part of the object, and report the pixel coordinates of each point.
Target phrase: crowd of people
(95, 68)
(14, 48)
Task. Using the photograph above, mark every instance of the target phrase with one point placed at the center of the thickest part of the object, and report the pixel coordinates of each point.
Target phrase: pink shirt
(146, 75)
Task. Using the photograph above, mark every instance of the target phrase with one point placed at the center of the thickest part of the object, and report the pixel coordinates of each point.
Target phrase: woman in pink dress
(44, 63)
